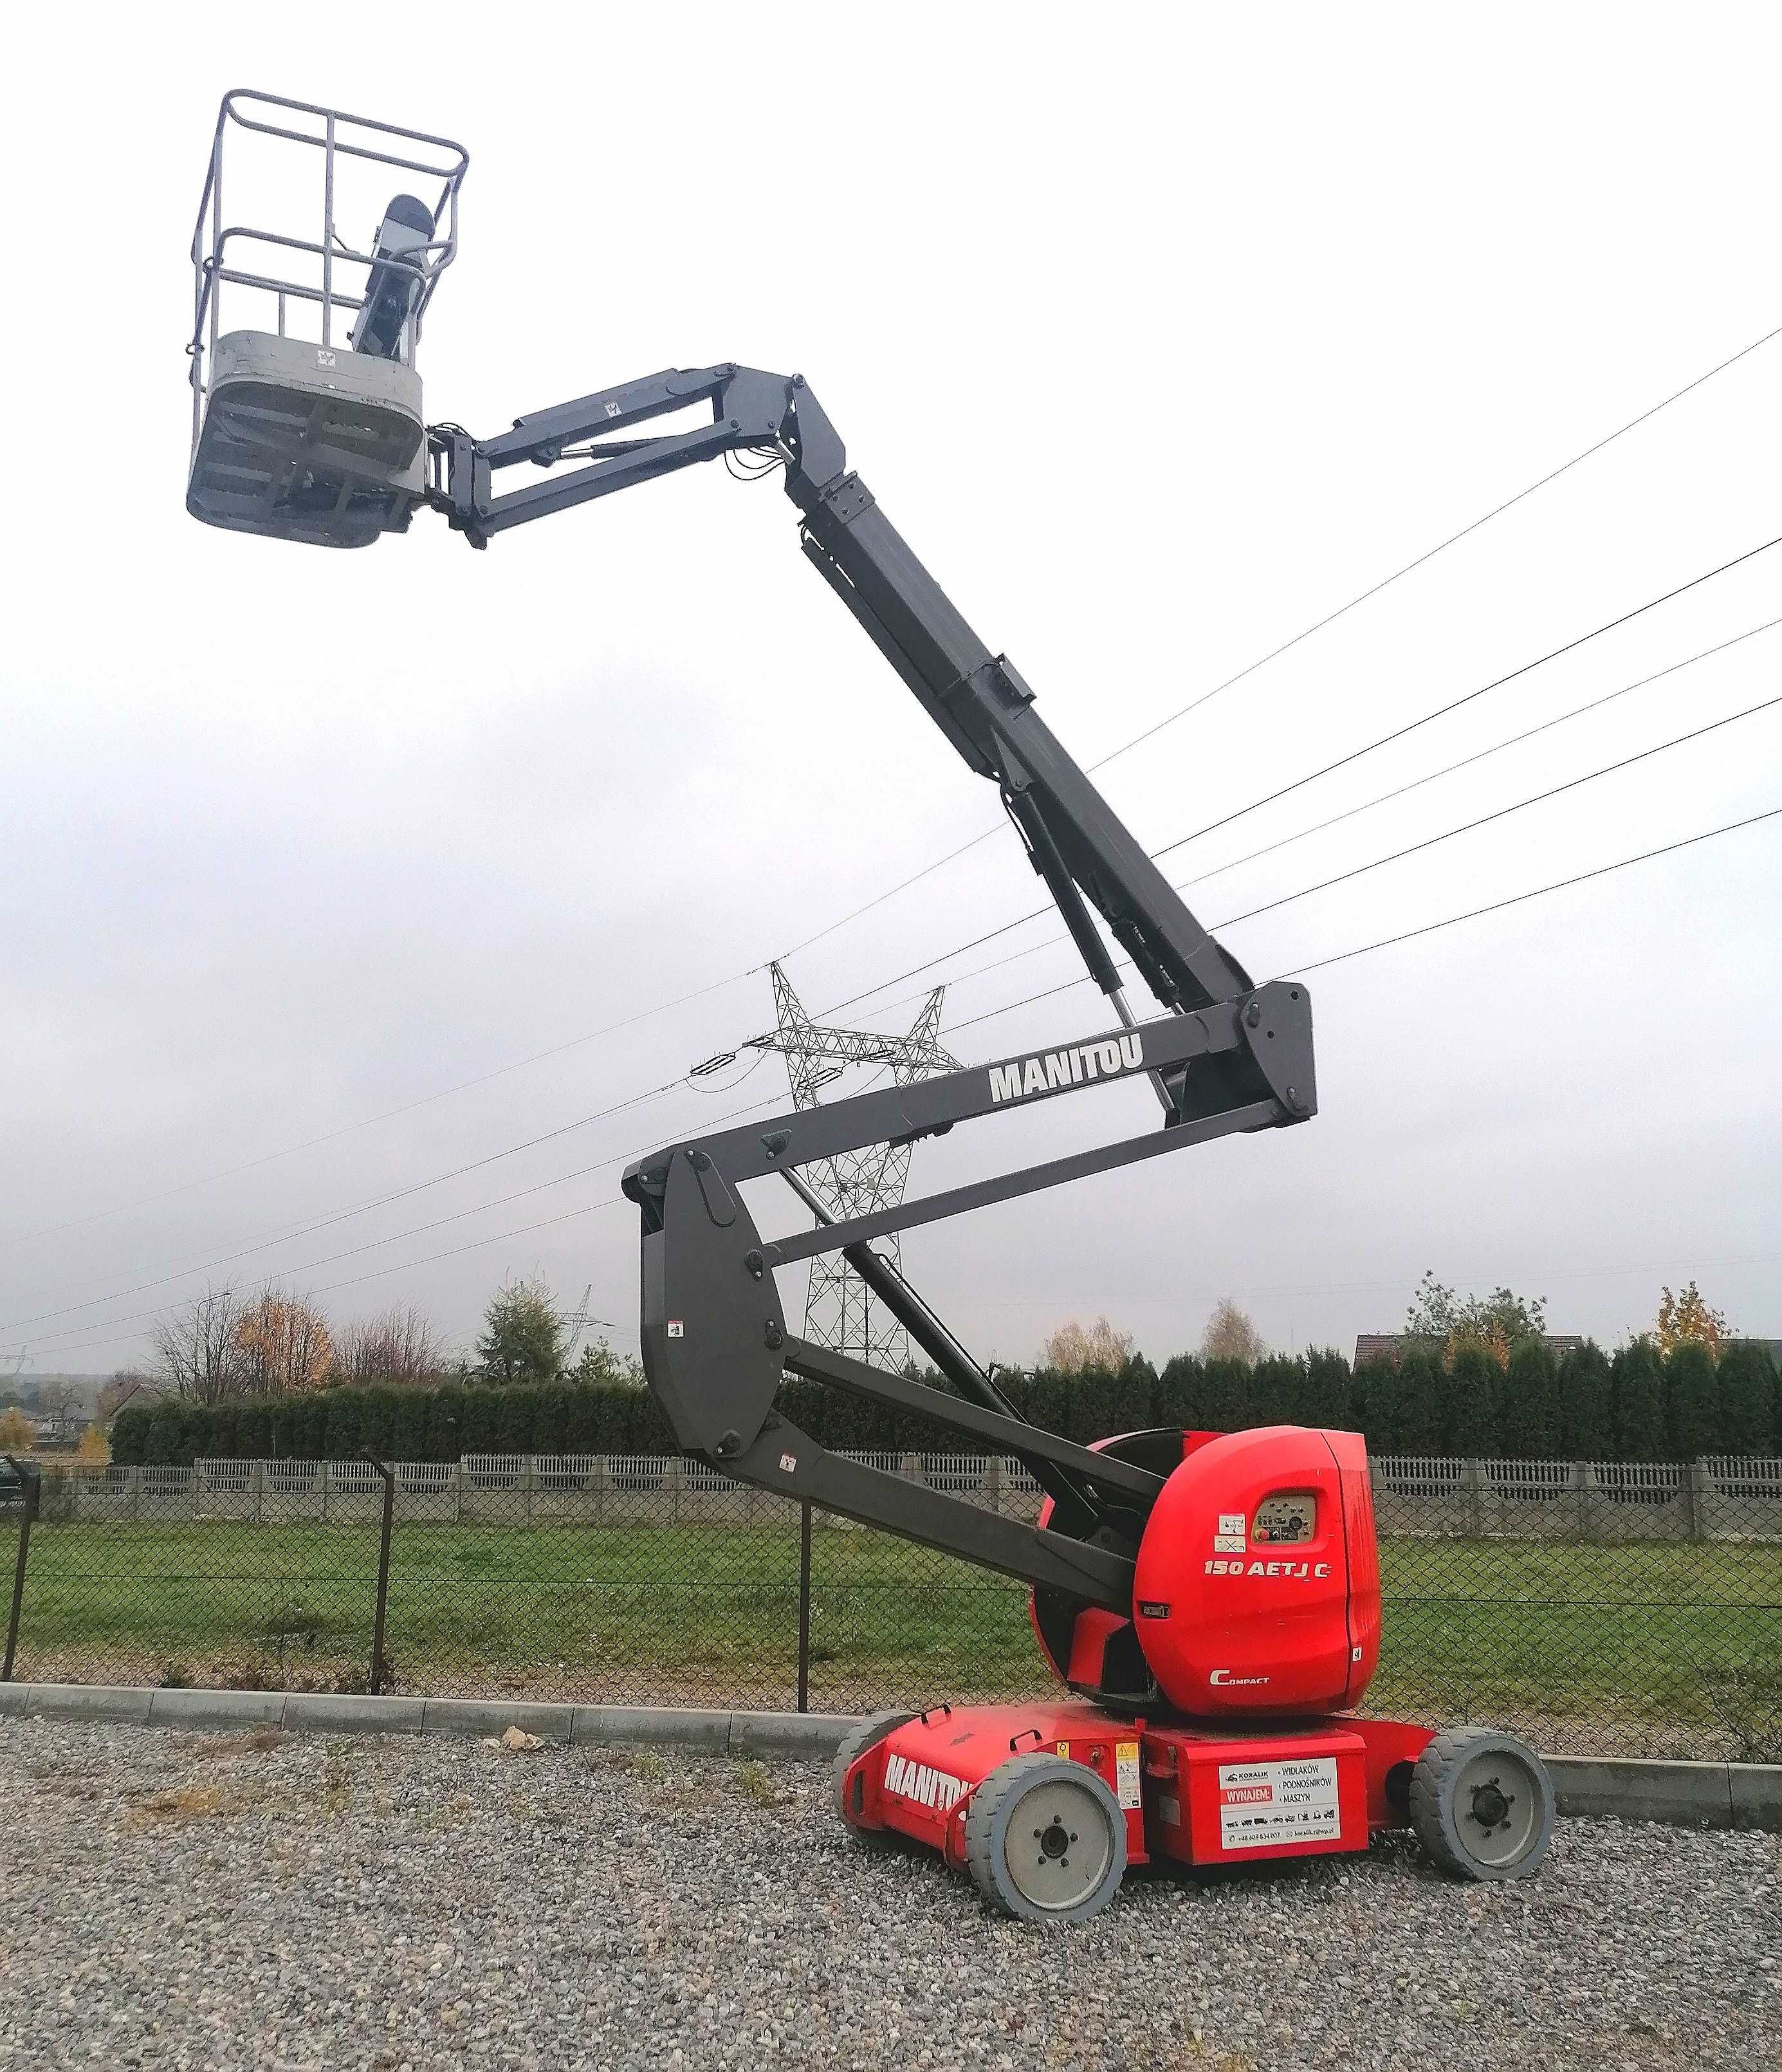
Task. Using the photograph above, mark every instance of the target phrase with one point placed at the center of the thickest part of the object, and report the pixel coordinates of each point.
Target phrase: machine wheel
(1482, 1804)
(1045, 1839)
(868, 1734)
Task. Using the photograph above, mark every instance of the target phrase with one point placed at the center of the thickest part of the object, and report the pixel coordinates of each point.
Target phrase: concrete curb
(1677, 1795)
(1688, 1795)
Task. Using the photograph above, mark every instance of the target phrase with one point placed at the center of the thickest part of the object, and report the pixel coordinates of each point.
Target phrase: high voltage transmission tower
(839, 1309)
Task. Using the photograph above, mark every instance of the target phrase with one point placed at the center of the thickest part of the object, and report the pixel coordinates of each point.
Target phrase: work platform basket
(307, 416)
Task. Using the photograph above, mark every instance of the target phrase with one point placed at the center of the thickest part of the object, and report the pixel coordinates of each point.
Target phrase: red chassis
(1195, 1793)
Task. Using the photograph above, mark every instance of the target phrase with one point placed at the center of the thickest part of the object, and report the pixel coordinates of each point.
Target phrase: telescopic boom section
(1226, 1056)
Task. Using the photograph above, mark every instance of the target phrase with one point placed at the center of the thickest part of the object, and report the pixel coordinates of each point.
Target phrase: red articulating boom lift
(1211, 1603)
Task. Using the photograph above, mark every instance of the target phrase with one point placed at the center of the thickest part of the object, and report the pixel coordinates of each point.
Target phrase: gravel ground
(253, 1900)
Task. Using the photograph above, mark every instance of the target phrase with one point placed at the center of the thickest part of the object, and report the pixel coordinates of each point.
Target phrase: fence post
(804, 1608)
(1697, 1482)
(1472, 1482)
(388, 1473)
(32, 1478)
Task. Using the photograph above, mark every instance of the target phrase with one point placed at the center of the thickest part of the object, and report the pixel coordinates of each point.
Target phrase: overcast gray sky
(1160, 334)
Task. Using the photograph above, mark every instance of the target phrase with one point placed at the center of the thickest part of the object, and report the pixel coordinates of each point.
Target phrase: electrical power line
(1381, 799)
(1318, 625)
(385, 1114)
(1501, 813)
(416, 1230)
(181, 1270)
(1397, 733)
(1454, 705)
(1364, 949)
(1540, 891)
(1452, 540)
(1478, 755)
(1230, 921)
(1386, 942)
(681, 1000)
(1395, 856)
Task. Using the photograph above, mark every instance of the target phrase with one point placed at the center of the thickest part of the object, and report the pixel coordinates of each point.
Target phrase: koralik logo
(1051, 1069)
(921, 1785)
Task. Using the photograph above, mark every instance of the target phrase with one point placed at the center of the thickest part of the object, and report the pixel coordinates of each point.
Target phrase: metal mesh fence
(1599, 1608)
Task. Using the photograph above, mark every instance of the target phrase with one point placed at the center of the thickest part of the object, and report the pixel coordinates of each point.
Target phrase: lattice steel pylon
(839, 1312)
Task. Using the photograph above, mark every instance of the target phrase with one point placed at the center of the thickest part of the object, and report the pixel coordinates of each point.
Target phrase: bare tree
(128, 1385)
(285, 1345)
(57, 1397)
(1074, 1346)
(1231, 1335)
(398, 1349)
(198, 1352)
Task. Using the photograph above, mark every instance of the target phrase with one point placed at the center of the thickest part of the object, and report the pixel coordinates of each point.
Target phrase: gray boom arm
(1226, 1056)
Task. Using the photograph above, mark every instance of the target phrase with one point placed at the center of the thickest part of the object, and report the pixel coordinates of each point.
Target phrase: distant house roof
(1388, 1344)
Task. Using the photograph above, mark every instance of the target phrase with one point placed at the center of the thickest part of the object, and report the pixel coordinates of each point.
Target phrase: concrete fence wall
(1596, 1501)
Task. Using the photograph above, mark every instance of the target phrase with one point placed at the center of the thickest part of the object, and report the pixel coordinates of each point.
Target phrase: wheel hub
(1491, 1804)
(1059, 1845)
(1496, 1808)
(1054, 1841)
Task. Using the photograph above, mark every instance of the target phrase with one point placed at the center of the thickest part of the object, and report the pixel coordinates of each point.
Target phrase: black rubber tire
(993, 1809)
(1445, 1824)
(869, 1732)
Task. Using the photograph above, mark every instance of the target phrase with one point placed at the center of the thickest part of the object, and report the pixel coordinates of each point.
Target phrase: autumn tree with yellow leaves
(1686, 1320)
(284, 1346)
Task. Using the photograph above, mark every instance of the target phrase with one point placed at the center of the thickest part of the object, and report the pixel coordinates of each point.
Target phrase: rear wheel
(1482, 1804)
(846, 1799)
(1045, 1839)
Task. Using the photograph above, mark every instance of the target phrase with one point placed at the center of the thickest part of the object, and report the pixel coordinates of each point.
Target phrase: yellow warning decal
(1127, 1773)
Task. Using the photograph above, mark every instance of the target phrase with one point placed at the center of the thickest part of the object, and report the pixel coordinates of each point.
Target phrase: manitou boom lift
(1212, 1601)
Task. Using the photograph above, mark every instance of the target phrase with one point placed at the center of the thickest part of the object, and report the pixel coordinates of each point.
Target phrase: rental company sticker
(1263, 1805)
(1127, 1773)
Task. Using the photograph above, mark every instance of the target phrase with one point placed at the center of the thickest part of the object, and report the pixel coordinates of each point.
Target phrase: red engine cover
(1257, 1581)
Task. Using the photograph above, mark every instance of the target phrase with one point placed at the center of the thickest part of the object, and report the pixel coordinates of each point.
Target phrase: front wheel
(1481, 1803)
(1045, 1839)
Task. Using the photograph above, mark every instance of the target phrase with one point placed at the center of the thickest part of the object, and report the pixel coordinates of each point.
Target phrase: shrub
(1528, 1421)
(1179, 1397)
(1586, 1404)
(445, 1426)
(1748, 1404)
(1227, 1396)
(1327, 1391)
(1406, 1402)
(409, 1439)
(1474, 1381)
(1639, 1408)
(343, 1433)
(1692, 1402)
(1638, 1386)
(130, 1435)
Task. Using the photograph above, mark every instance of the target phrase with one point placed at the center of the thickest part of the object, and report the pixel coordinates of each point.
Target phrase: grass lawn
(1676, 1648)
